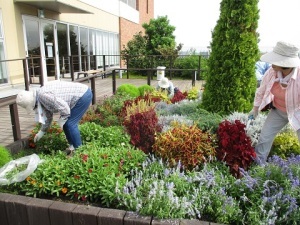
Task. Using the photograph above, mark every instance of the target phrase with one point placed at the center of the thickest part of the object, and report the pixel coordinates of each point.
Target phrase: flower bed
(169, 161)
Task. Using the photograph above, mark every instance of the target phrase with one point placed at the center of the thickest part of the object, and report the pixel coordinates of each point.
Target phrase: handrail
(11, 100)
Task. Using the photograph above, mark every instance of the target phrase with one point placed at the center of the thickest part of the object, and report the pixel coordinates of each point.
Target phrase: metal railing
(10, 101)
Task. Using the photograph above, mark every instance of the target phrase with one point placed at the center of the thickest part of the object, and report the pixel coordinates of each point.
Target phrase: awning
(60, 6)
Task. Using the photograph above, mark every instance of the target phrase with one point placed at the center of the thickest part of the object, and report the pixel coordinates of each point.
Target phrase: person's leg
(275, 121)
(71, 126)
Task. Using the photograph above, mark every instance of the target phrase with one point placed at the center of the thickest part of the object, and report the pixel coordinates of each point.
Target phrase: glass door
(33, 49)
(40, 49)
(48, 50)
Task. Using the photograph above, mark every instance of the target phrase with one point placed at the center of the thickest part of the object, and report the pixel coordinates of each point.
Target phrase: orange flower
(58, 183)
(64, 190)
(28, 178)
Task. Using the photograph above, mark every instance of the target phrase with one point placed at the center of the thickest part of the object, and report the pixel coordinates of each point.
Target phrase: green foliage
(107, 113)
(206, 121)
(285, 144)
(128, 89)
(133, 54)
(189, 145)
(5, 156)
(157, 41)
(91, 174)
(158, 33)
(144, 89)
(193, 93)
(231, 81)
(53, 140)
(188, 62)
(113, 136)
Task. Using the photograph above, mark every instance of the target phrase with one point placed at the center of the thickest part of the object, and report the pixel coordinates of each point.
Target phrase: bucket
(160, 72)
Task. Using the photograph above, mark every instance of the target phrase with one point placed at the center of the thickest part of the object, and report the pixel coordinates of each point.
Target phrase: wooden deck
(103, 89)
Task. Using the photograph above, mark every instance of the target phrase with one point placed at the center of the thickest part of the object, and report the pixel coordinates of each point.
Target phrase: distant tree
(231, 82)
(159, 34)
(135, 51)
(158, 40)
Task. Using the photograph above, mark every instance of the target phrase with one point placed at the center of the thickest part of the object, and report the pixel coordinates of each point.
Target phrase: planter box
(16, 209)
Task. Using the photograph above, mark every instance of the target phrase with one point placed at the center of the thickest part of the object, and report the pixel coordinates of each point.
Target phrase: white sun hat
(283, 55)
(26, 99)
(164, 83)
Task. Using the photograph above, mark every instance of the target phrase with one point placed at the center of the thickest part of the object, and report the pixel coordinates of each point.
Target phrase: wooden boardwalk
(103, 89)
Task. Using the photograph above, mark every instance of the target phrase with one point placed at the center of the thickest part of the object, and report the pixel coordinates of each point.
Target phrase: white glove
(253, 113)
(38, 136)
(61, 122)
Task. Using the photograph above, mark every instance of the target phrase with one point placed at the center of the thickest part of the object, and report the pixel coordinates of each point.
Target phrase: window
(131, 3)
(3, 71)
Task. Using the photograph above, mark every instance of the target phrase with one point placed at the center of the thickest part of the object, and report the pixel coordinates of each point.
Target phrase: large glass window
(84, 43)
(74, 43)
(3, 71)
(62, 44)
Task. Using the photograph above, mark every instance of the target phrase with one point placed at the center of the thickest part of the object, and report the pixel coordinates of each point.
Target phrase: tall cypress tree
(231, 81)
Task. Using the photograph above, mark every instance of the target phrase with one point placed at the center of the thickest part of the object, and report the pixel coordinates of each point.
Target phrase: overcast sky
(195, 19)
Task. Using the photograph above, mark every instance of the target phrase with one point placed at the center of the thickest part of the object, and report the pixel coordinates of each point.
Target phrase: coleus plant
(234, 146)
(141, 123)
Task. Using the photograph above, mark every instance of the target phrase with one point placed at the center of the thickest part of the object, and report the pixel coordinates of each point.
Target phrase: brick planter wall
(21, 210)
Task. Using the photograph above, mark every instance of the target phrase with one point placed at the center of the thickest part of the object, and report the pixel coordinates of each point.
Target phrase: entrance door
(48, 50)
(41, 49)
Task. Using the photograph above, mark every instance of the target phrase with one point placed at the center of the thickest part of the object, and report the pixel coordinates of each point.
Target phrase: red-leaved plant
(235, 146)
(178, 96)
(141, 123)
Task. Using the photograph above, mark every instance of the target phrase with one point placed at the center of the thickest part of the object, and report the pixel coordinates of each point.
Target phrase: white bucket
(160, 72)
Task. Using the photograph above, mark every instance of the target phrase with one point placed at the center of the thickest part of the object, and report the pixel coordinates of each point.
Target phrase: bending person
(70, 100)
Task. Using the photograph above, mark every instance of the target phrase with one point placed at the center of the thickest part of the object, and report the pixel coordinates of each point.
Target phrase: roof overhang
(60, 6)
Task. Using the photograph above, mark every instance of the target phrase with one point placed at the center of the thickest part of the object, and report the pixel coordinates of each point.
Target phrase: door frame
(40, 22)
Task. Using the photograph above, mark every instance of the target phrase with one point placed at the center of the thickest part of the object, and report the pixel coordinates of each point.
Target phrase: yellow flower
(33, 182)
(41, 185)
(28, 178)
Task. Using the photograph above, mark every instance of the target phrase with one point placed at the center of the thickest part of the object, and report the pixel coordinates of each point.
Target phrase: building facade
(52, 35)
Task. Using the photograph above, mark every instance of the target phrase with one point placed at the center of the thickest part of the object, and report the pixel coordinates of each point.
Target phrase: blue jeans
(71, 126)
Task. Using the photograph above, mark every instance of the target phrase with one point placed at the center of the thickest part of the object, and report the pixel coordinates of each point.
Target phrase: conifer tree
(231, 82)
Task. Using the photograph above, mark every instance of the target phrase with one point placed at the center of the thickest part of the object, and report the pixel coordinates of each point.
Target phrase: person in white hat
(165, 84)
(280, 87)
(69, 99)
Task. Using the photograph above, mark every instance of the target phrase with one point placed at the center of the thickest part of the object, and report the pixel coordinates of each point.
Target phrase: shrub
(178, 96)
(231, 83)
(285, 145)
(113, 136)
(108, 112)
(5, 156)
(187, 144)
(141, 123)
(145, 89)
(128, 89)
(193, 93)
(234, 146)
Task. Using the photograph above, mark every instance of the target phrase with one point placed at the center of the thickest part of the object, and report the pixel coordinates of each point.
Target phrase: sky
(195, 19)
